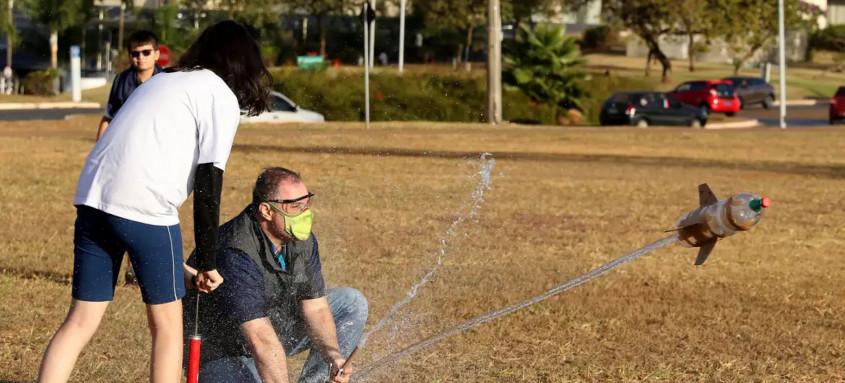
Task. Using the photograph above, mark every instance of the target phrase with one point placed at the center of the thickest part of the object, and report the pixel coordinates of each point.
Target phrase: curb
(810, 102)
(750, 123)
(48, 105)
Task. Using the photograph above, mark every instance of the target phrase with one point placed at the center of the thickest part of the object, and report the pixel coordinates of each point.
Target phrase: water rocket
(715, 219)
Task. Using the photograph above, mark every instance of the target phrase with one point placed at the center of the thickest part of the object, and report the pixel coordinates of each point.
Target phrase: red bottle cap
(766, 202)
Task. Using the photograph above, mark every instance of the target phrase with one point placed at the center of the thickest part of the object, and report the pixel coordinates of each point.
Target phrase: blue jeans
(350, 310)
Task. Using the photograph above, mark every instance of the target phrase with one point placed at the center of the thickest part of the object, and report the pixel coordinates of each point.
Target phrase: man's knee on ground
(354, 302)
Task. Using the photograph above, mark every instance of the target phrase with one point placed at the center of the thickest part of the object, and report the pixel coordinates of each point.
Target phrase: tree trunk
(467, 64)
(54, 48)
(648, 64)
(322, 36)
(745, 58)
(691, 51)
(667, 67)
(654, 47)
(120, 23)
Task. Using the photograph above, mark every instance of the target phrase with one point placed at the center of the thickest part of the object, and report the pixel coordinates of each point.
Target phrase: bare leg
(73, 335)
(165, 322)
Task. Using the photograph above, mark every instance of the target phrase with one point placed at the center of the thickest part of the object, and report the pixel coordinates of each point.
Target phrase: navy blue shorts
(99, 241)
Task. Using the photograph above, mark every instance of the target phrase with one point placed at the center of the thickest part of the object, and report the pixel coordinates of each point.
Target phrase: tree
(524, 10)
(58, 15)
(545, 65)
(320, 9)
(750, 25)
(648, 19)
(7, 27)
(691, 18)
(463, 15)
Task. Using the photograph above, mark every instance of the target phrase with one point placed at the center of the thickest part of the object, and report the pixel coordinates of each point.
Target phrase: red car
(710, 96)
(837, 106)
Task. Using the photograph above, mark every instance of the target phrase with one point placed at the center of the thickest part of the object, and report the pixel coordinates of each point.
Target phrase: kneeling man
(274, 302)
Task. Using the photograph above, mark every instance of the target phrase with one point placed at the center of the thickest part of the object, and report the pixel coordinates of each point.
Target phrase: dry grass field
(768, 305)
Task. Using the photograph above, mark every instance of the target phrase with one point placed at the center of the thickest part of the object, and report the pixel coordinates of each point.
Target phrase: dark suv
(753, 90)
(644, 108)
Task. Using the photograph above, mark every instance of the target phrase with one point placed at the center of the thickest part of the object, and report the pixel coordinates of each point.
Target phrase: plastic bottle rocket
(716, 219)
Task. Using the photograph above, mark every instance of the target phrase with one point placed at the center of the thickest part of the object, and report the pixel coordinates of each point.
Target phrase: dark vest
(243, 233)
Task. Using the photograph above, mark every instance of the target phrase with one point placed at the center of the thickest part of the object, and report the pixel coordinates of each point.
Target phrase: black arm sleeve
(208, 185)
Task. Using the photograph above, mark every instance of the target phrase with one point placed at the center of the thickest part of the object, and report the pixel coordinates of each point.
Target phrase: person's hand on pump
(207, 281)
(190, 275)
(337, 375)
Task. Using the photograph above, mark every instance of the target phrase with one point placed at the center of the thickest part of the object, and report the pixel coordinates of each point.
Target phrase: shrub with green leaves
(338, 93)
(41, 82)
(546, 65)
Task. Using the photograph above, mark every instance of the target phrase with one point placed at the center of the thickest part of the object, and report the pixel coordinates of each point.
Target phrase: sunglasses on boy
(138, 53)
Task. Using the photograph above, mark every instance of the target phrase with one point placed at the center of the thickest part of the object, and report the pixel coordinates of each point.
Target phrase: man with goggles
(274, 302)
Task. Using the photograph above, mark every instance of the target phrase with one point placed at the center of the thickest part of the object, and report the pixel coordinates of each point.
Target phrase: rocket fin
(704, 251)
(706, 196)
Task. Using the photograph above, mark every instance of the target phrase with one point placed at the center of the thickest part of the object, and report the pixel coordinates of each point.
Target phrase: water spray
(476, 197)
(578, 281)
(701, 228)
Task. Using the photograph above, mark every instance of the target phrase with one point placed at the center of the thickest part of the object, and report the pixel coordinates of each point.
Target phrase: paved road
(796, 116)
(44, 114)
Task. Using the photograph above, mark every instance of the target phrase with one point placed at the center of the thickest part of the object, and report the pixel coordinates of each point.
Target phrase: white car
(284, 110)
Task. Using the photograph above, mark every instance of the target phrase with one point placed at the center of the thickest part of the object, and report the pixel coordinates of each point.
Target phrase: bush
(338, 93)
(42, 82)
(831, 38)
(547, 66)
(269, 54)
(596, 38)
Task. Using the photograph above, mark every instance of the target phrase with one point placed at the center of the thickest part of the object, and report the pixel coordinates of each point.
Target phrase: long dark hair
(227, 49)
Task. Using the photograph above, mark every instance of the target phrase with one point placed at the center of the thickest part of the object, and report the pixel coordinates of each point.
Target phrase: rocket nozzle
(759, 204)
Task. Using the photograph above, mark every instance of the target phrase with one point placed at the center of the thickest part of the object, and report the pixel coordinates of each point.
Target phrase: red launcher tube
(194, 359)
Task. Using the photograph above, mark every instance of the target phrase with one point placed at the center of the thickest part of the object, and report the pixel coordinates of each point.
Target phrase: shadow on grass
(824, 171)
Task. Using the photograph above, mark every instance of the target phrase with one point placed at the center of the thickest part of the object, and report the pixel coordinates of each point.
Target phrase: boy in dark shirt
(143, 54)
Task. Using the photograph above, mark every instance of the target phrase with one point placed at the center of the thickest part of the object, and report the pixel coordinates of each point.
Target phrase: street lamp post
(372, 35)
(9, 35)
(782, 64)
(401, 36)
(494, 62)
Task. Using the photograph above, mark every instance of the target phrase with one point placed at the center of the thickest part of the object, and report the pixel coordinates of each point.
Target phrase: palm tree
(545, 65)
(57, 15)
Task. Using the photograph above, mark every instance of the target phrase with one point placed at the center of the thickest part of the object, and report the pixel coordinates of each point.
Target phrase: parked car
(710, 96)
(646, 108)
(753, 90)
(836, 112)
(284, 110)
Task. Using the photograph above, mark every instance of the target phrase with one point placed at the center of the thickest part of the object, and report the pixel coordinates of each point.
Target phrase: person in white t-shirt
(171, 137)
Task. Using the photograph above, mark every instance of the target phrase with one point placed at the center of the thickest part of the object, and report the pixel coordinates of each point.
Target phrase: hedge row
(339, 95)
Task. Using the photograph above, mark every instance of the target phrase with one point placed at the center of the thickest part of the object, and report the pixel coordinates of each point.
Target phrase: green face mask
(297, 225)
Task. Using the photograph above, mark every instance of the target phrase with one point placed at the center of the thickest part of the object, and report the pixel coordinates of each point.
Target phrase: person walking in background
(171, 137)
